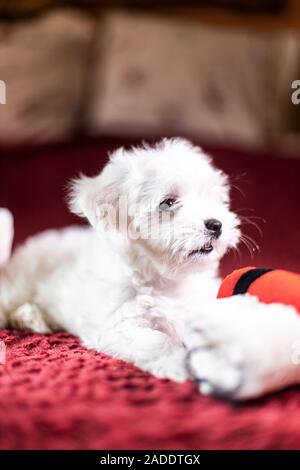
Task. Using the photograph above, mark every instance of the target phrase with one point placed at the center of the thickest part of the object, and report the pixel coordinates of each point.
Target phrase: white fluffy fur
(148, 300)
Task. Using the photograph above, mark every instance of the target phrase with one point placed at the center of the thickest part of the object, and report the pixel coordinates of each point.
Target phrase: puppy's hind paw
(29, 317)
(3, 320)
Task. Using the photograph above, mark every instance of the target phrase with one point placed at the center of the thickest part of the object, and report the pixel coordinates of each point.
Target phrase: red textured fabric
(55, 394)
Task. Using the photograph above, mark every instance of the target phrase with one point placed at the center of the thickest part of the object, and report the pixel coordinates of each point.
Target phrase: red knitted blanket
(55, 394)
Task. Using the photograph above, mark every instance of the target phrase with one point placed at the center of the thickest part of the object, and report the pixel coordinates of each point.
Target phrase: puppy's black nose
(214, 225)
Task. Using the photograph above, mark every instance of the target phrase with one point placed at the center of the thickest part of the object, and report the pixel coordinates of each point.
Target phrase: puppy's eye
(167, 204)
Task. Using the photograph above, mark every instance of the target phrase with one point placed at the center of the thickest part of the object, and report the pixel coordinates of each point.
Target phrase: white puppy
(141, 284)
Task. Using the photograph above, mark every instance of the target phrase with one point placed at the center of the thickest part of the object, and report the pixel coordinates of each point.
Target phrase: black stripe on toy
(247, 278)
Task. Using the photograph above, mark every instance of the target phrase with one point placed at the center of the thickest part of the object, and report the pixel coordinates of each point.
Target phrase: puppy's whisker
(235, 186)
(244, 242)
(248, 221)
(251, 244)
(251, 241)
(237, 211)
(252, 217)
(244, 209)
(256, 217)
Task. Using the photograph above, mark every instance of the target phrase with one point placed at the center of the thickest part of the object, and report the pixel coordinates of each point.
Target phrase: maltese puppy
(141, 283)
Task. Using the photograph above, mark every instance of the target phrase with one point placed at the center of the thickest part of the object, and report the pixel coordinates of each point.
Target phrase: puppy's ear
(97, 197)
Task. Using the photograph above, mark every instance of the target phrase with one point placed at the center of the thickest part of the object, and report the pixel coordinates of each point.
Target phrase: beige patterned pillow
(42, 63)
(155, 77)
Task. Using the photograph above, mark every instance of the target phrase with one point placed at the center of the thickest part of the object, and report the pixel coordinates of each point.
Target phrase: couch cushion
(154, 76)
(43, 64)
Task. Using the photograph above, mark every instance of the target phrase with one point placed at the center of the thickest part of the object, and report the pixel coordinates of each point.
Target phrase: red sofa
(55, 394)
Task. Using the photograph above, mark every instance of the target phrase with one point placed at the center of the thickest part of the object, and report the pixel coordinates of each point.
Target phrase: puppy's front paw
(243, 349)
(218, 370)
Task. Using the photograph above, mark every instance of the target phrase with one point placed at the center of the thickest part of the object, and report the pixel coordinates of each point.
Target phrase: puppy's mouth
(204, 250)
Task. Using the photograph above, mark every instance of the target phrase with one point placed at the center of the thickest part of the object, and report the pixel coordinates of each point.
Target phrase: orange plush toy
(269, 285)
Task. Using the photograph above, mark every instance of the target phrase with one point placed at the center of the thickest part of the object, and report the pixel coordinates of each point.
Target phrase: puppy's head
(168, 201)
